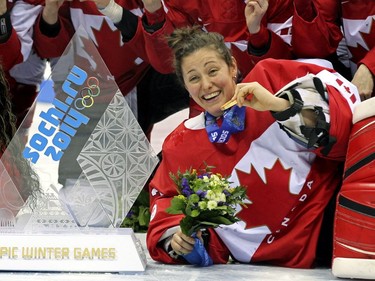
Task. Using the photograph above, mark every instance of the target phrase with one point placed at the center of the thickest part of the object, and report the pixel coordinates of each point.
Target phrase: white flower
(211, 205)
(202, 205)
(223, 198)
(210, 195)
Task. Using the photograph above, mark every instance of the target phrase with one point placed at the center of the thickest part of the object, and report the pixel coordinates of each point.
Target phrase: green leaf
(144, 216)
(223, 220)
(194, 198)
(186, 225)
(177, 206)
(195, 213)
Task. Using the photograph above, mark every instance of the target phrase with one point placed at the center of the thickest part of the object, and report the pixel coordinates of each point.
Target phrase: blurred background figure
(151, 96)
(359, 31)
(23, 68)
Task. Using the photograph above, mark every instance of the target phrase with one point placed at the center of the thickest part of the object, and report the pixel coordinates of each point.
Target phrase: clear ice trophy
(89, 157)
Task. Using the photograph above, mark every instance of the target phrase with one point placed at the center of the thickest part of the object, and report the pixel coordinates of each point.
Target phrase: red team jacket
(288, 185)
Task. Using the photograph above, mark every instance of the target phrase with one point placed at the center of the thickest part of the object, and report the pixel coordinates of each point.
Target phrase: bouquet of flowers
(206, 199)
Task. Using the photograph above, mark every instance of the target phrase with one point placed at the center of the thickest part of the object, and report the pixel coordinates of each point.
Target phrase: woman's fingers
(181, 243)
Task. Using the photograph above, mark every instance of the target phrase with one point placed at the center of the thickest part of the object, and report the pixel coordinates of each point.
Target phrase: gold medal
(228, 104)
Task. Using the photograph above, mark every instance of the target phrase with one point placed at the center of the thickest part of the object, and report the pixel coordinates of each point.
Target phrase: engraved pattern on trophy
(117, 159)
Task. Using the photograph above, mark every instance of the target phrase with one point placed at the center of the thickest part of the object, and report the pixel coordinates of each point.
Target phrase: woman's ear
(234, 68)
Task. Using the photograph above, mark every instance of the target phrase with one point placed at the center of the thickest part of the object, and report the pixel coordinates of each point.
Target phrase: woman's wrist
(281, 105)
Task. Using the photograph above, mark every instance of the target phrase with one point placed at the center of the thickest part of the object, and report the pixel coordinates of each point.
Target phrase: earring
(235, 77)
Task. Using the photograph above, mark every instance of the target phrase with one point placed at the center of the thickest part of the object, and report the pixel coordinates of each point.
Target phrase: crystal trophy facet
(91, 159)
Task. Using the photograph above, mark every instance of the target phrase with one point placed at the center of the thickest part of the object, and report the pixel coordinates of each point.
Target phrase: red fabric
(10, 53)
(305, 9)
(155, 17)
(259, 39)
(316, 36)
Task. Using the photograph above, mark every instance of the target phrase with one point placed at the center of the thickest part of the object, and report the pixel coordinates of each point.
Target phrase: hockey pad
(306, 93)
(364, 110)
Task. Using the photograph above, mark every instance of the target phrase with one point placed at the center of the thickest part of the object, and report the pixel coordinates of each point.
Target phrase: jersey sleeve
(369, 60)
(48, 46)
(341, 96)
(277, 22)
(18, 46)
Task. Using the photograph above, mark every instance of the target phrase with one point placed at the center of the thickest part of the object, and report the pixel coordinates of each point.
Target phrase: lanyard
(233, 122)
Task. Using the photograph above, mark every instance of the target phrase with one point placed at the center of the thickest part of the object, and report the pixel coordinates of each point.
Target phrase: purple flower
(226, 192)
(201, 193)
(186, 191)
(130, 214)
(185, 183)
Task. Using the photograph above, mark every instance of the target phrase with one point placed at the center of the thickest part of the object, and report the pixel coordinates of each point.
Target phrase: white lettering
(309, 184)
(285, 222)
(303, 198)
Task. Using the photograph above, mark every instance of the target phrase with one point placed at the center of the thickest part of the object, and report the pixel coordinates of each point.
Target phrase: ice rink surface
(161, 272)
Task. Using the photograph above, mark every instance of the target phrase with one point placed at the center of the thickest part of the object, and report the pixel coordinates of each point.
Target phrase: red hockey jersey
(319, 37)
(288, 186)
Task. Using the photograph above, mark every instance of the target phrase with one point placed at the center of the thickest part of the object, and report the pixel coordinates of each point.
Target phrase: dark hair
(187, 40)
(18, 168)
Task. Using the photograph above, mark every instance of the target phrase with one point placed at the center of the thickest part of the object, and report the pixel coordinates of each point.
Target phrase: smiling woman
(279, 140)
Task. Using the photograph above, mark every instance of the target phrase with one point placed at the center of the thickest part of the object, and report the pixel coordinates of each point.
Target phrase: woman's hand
(51, 11)
(254, 12)
(3, 7)
(101, 4)
(152, 5)
(183, 244)
(256, 96)
(364, 81)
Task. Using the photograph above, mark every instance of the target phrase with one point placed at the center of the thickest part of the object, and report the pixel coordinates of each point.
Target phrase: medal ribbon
(233, 122)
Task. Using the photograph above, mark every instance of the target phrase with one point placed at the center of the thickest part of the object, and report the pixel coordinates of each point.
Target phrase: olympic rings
(87, 94)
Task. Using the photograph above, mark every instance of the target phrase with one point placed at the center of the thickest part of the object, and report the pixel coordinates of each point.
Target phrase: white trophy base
(90, 250)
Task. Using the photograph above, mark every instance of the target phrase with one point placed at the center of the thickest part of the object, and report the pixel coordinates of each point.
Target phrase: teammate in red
(287, 154)
(23, 68)
(254, 30)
